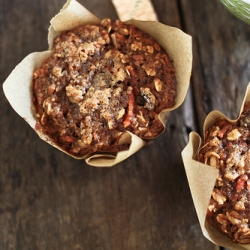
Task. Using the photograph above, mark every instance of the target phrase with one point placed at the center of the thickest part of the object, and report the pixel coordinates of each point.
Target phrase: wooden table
(51, 201)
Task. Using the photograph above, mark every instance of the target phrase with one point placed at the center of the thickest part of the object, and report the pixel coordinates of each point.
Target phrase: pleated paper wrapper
(18, 86)
(201, 179)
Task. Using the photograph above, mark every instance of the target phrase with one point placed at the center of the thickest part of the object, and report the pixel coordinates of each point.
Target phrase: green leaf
(238, 8)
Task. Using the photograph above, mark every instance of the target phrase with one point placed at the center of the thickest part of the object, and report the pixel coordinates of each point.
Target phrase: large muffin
(227, 148)
(100, 81)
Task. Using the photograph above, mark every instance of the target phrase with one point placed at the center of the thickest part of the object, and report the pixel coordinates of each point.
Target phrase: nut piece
(106, 23)
(233, 135)
(218, 196)
(136, 46)
(158, 84)
(222, 219)
(240, 205)
(124, 31)
(150, 71)
(150, 49)
(113, 38)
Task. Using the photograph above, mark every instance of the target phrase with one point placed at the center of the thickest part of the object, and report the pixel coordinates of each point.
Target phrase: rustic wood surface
(51, 201)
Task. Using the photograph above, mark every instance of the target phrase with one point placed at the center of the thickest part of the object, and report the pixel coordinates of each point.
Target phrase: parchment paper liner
(201, 179)
(17, 86)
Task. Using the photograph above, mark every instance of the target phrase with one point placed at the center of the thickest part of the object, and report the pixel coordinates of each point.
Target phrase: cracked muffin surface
(100, 81)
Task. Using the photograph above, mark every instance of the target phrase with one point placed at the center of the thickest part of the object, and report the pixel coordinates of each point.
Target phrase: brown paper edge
(17, 86)
(201, 179)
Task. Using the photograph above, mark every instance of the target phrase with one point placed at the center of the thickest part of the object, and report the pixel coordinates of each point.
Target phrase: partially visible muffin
(227, 148)
(100, 81)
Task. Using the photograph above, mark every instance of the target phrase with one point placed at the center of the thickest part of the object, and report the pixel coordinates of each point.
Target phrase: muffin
(227, 148)
(100, 81)
(21, 87)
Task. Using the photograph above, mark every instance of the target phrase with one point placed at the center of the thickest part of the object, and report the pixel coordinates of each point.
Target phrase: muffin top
(100, 81)
(227, 148)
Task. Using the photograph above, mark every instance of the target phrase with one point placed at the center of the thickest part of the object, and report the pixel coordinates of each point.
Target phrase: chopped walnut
(222, 219)
(219, 196)
(240, 205)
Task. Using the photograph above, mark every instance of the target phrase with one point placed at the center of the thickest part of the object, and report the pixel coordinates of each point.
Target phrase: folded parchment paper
(17, 86)
(201, 179)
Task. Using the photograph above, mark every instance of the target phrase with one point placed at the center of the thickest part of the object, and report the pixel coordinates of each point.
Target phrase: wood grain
(221, 58)
(51, 201)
